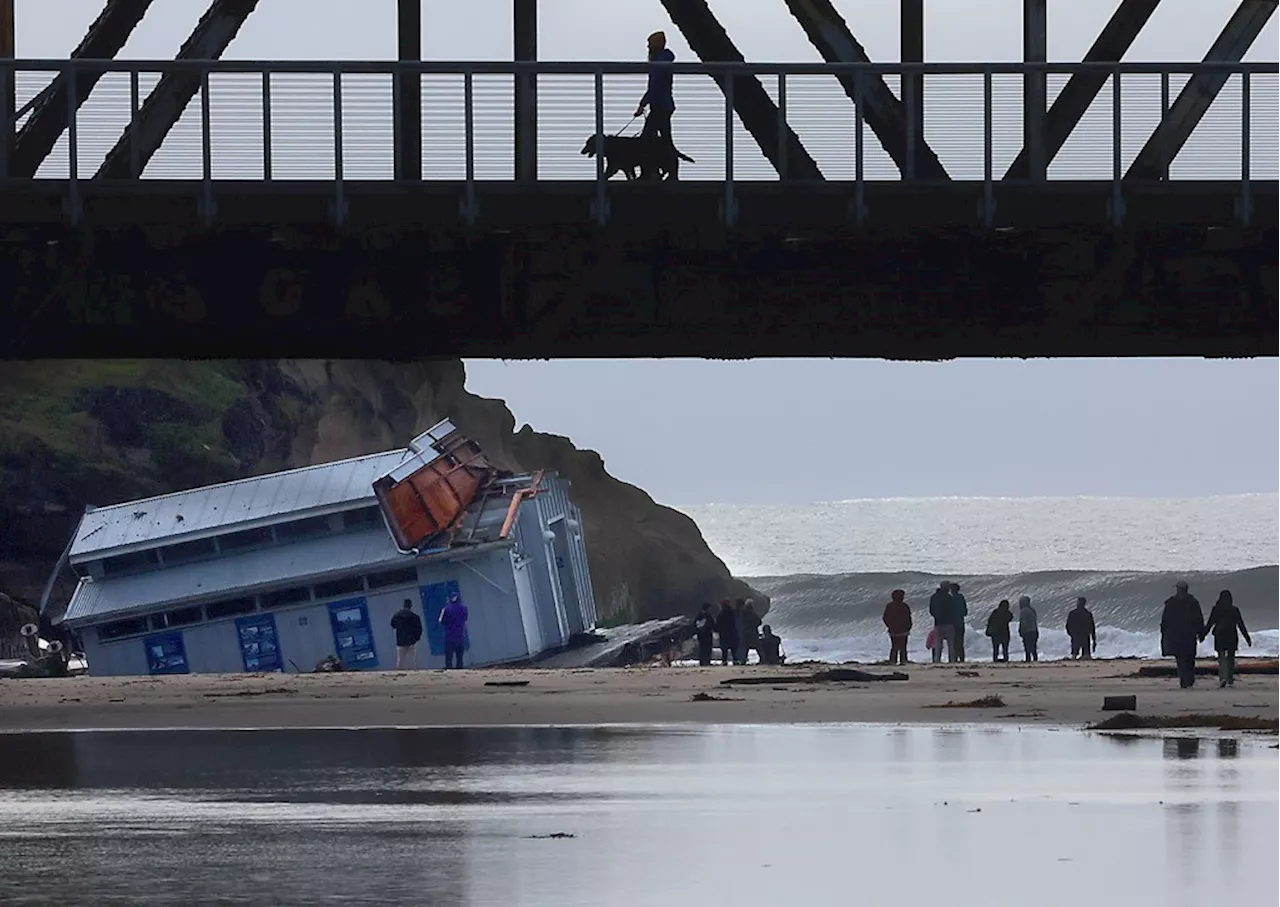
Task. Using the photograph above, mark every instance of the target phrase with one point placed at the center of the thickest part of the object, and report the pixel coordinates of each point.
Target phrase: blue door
(259, 644)
(352, 635)
(166, 654)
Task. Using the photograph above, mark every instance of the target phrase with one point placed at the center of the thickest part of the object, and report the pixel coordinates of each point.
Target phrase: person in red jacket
(897, 618)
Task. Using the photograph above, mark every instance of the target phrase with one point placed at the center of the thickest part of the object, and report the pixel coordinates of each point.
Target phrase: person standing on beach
(897, 620)
(727, 630)
(1224, 620)
(408, 627)
(748, 630)
(943, 623)
(704, 628)
(959, 611)
(1181, 627)
(998, 630)
(1082, 631)
(454, 620)
(1028, 629)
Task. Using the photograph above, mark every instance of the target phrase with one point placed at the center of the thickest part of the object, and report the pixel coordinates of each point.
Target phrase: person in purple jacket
(454, 620)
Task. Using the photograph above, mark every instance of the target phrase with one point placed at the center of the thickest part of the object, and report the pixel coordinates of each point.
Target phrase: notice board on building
(166, 654)
(352, 635)
(259, 643)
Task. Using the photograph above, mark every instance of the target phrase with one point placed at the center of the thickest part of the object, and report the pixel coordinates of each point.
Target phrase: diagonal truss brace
(164, 106)
(883, 112)
(104, 39)
(1185, 114)
(759, 115)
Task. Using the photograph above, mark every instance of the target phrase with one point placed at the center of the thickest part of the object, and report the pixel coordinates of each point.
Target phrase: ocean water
(589, 816)
(829, 568)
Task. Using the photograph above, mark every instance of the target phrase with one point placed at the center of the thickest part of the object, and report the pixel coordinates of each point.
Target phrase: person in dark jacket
(1181, 628)
(1224, 620)
(943, 623)
(727, 630)
(1028, 629)
(658, 97)
(770, 647)
(748, 629)
(959, 613)
(897, 620)
(998, 630)
(1082, 631)
(408, 627)
(704, 628)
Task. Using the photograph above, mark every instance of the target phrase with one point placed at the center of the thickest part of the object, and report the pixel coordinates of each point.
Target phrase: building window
(136, 562)
(282, 597)
(302, 529)
(116, 629)
(184, 552)
(245, 538)
(364, 518)
(177, 618)
(335, 588)
(405, 577)
(230, 607)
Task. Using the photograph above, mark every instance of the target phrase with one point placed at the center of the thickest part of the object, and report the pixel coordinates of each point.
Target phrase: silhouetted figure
(1181, 627)
(959, 611)
(943, 623)
(727, 630)
(658, 97)
(998, 629)
(704, 628)
(1082, 631)
(1225, 620)
(770, 647)
(1028, 629)
(748, 629)
(408, 627)
(453, 617)
(897, 619)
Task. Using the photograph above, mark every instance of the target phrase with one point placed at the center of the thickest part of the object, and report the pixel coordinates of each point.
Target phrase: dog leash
(626, 127)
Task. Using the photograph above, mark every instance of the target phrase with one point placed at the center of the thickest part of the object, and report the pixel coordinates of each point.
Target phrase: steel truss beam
(164, 106)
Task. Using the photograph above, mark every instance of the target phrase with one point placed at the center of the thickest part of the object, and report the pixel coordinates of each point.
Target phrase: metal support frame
(525, 32)
(469, 210)
(8, 87)
(759, 114)
(407, 88)
(48, 119)
(885, 114)
(1115, 39)
(912, 51)
(1237, 36)
(164, 106)
(601, 203)
(1035, 49)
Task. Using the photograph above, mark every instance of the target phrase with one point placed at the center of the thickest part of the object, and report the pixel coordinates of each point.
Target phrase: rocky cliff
(95, 432)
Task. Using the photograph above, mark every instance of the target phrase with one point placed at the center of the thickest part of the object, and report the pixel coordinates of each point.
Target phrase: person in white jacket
(1028, 629)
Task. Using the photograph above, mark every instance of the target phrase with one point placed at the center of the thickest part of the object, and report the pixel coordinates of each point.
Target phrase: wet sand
(1056, 693)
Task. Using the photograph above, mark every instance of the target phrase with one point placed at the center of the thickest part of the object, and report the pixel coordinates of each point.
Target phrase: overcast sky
(797, 431)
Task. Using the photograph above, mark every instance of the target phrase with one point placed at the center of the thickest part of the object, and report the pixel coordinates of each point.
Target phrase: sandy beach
(1055, 693)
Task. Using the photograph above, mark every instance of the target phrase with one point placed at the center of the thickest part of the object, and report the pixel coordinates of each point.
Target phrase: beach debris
(1128, 721)
(555, 835)
(506, 683)
(329, 664)
(707, 697)
(968, 674)
(986, 702)
(834, 675)
(268, 691)
(1210, 669)
(1119, 703)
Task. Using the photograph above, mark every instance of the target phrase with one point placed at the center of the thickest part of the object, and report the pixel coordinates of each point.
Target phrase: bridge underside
(664, 278)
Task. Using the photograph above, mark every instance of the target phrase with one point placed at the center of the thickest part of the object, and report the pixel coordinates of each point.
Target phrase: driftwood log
(835, 675)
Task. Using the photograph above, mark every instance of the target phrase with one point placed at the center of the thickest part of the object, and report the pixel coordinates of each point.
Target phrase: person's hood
(662, 56)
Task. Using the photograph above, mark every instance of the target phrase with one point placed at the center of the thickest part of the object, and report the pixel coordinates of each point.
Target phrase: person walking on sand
(658, 96)
(1082, 631)
(727, 630)
(897, 620)
(408, 627)
(454, 620)
(1028, 629)
(748, 630)
(1181, 628)
(943, 623)
(959, 611)
(1224, 620)
(998, 630)
(704, 628)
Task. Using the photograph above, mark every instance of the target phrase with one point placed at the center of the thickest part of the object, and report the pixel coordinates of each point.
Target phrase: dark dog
(636, 157)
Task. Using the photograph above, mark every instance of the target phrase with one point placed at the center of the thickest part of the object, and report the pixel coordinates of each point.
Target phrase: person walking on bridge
(658, 97)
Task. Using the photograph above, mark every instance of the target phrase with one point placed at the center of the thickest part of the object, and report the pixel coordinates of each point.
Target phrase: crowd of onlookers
(738, 628)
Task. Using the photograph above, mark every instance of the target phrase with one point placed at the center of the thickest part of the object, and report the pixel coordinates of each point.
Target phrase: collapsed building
(286, 570)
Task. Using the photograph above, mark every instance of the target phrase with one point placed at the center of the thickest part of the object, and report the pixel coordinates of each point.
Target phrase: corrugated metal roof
(214, 509)
(235, 575)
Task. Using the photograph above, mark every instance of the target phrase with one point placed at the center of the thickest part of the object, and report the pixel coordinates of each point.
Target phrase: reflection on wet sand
(824, 814)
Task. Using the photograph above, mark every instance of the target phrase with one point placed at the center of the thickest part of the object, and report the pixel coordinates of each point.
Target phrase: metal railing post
(730, 215)
(73, 149)
(602, 201)
(339, 188)
(135, 150)
(988, 191)
(908, 93)
(266, 125)
(469, 147)
(8, 120)
(782, 126)
(859, 189)
(1164, 114)
(206, 152)
(1246, 190)
(1117, 198)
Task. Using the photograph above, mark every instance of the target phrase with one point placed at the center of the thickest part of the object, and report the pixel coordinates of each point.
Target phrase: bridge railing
(337, 121)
